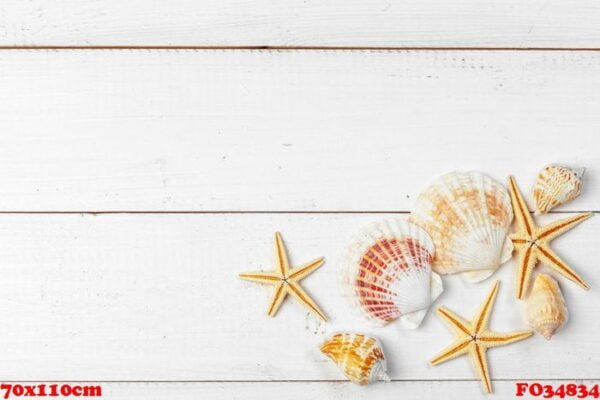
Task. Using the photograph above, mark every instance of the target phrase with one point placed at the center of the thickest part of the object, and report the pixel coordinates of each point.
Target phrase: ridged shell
(386, 273)
(545, 309)
(556, 185)
(467, 214)
(360, 357)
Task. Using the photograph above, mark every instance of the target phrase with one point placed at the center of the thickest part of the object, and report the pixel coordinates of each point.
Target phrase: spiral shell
(386, 273)
(545, 309)
(467, 214)
(556, 185)
(360, 357)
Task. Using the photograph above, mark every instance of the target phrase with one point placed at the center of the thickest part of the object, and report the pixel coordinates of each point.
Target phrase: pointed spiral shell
(556, 185)
(545, 309)
(360, 357)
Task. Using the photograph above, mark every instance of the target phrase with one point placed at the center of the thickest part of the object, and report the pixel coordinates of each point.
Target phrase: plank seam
(294, 48)
(292, 380)
(79, 212)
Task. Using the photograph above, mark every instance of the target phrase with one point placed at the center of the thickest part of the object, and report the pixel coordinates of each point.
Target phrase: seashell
(467, 214)
(556, 185)
(360, 357)
(386, 273)
(545, 309)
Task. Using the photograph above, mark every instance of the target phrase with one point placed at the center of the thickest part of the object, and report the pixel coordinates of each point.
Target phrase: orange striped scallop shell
(386, 273)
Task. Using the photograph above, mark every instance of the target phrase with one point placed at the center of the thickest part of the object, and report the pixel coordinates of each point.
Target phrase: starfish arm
(456, 323)
(520, 209)
(268, 278)
(297, 292)
(548, 257)
(483, 315)
(481, 365)
(493, 339)
(561, 226)
(457, 348)
(525, 264)
(279, 295)
(283, 264)
(302, 271)
(519, 240)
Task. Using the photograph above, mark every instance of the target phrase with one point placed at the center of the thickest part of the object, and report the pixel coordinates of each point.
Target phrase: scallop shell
(386, 273)
(556, 185)
(467, 214)
(545, 309)
(360, 357)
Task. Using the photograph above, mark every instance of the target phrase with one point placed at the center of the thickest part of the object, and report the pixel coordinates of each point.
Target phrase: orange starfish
(532, 242)
(474, 338)
(286, 281)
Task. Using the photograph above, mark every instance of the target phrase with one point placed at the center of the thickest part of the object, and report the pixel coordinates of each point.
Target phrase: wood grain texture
(156, 297)
(430, 23)
(280, 131)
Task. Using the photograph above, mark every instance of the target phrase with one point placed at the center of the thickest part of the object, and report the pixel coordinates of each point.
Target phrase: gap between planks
(297, 48)
(298, 380)
(225, 212)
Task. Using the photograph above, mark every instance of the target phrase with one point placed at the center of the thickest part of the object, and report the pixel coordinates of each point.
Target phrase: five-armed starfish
(474, 338)
(286, 280)
(532, 242)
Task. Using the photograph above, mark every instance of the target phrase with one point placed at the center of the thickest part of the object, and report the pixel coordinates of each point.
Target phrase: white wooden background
(136, 183)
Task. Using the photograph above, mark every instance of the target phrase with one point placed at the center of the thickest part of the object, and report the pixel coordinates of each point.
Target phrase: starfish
(532, 242)
(286, 281)
(474, 338)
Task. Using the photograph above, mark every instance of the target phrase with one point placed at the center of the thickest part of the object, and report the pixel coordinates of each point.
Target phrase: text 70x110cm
(9, 390)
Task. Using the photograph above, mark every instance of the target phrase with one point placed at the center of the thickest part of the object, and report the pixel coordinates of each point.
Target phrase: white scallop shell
(386, 273)
(556, 185)
(467, 214)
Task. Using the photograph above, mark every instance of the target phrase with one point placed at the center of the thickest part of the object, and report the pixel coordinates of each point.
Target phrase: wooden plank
(509, 23)
(301, 131)
(156, 297)
(450, 390)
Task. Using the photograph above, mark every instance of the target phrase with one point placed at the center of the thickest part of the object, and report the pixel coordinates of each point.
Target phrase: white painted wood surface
(156, 297)
(234, 140)
(504, 23)
(285, 131)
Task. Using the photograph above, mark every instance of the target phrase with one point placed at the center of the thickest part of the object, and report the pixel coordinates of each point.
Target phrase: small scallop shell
(360, 357)
(545, 309)
(556, 185)
(386, 273)
(467, 214)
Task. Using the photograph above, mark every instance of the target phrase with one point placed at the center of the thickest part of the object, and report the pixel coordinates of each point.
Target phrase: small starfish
(286, 281)
(474, 338)
(532, 242)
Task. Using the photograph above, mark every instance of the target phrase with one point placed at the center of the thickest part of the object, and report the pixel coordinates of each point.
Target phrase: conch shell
(360, 357)
(545, 309)
(386, 273)
(467, 214)
(556, 185)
